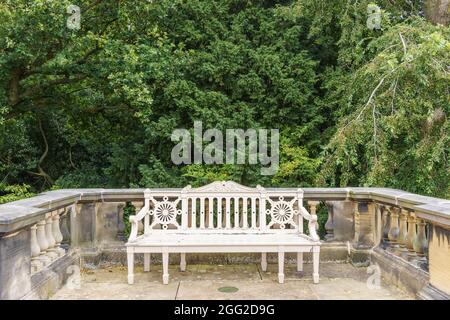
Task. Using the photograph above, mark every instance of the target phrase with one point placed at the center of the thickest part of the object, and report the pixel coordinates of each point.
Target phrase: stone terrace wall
(407, 235)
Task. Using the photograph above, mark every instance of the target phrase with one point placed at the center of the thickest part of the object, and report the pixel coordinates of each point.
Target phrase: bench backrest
(225, 207)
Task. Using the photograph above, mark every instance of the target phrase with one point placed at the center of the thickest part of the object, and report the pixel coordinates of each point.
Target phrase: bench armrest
(312, 223)
(134, 221)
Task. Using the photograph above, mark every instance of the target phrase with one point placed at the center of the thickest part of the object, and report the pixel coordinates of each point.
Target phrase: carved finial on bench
(186, 189)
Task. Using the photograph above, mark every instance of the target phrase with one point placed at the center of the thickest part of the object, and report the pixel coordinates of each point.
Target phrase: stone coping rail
(22, 213)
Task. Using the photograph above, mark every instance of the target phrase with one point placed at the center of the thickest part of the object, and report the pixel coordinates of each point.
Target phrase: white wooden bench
(223, 217)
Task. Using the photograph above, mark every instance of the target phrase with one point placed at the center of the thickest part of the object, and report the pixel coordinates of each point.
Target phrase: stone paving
(338, 282)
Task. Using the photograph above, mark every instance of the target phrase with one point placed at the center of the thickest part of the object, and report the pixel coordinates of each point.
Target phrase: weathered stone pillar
(364, 237)
(99, 223)
(15, 264)
(109, 222)
(364, 220)
(85, 223)
(343, 227)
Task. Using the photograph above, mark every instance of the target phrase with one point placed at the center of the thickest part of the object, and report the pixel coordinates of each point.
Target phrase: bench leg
(264, 261)
(146, 262)
(165, 261)
(130, 261)
(281, 267)
(316, 253)
(299, 261)
(183, 262)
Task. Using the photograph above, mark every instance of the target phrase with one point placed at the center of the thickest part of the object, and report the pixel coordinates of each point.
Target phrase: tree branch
(41, 172)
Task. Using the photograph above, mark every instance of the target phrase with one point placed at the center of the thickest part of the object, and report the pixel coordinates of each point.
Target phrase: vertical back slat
(219, 212)
(236, 212)
(210, 212)
(194, 213)
(202, 213)
(253, 213)
(227, 213)
(244, 213)
(300, 205)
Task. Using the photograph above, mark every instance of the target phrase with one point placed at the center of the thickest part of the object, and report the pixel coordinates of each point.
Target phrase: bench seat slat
(234, 239)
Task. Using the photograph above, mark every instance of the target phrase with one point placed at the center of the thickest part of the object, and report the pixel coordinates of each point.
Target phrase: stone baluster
(50, 238)
(394, 229)
(43, 243)
(57, 233)
(386, 225)
(36, 264)
(412, 233)
(403, 231)
(420, 241)
(379, 224)
(329, 225)
(313, 211)
(64, 223)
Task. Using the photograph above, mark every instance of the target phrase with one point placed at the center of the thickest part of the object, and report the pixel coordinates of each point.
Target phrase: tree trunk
(437, 11)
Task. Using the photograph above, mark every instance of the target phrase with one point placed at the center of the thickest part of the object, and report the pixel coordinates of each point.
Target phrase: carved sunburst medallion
(165, 213)
(282, 213)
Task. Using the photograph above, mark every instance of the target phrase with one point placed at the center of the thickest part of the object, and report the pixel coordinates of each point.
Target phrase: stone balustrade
(407, 235)
(46, 239)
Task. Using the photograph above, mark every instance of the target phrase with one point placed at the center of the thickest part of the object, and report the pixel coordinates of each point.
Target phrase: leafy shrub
(15, 192)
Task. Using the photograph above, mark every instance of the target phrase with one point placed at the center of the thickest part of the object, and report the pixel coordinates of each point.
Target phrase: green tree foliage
(96, 107)
(392, 112)
(10, 193)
